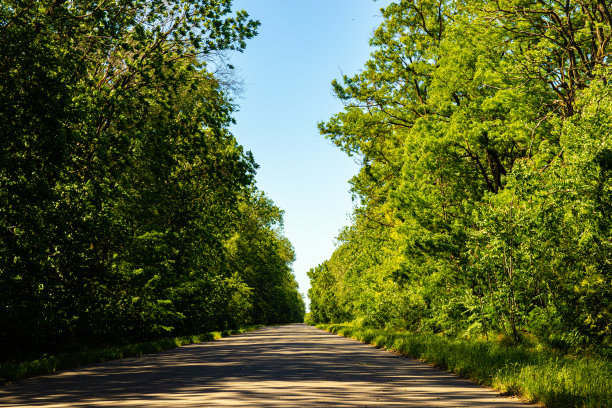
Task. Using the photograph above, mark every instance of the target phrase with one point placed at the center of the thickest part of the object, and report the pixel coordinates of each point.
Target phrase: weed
(536, 375)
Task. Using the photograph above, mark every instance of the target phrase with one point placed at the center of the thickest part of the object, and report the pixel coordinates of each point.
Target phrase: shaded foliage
(120, 184)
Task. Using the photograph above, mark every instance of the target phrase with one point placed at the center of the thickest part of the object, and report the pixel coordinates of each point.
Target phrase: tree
(463, 118)
(119, 181)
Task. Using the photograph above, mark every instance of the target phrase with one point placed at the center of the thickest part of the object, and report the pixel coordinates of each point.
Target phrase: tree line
(484, 197)
(127, 209)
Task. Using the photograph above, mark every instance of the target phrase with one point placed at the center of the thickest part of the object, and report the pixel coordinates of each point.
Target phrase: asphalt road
(288, 366)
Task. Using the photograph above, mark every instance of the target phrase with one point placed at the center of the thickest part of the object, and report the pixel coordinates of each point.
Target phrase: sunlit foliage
(484, 194)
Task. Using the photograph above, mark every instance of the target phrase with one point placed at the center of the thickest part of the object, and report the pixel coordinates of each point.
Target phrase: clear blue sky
(287, 72)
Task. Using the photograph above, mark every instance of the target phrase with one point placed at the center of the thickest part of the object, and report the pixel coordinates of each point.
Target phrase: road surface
(287, 366)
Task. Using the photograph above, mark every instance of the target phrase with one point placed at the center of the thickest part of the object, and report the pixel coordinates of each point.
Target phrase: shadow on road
(287, 366)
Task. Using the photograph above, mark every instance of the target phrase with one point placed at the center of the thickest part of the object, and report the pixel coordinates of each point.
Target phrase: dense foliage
(127, 209)
(484, 199)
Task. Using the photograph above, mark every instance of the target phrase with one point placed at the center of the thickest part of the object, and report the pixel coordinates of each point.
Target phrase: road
(287, 366)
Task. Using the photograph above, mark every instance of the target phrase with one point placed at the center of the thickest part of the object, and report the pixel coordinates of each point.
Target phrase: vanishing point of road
(287, 366)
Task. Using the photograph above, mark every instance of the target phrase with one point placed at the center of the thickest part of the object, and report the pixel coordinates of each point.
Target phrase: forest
(483, 203)
(128, 211)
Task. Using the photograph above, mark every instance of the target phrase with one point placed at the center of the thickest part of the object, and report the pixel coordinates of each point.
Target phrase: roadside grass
(538, 376)
(13, 371)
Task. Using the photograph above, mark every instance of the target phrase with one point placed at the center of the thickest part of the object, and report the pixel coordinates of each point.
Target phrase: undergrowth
(13, 371)
(538, 376)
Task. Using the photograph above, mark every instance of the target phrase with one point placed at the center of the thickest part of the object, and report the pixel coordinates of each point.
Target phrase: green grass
(13, 371)
(538, 376)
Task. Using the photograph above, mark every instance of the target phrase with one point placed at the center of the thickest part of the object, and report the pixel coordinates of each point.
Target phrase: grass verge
(13, 371)
(538, 376)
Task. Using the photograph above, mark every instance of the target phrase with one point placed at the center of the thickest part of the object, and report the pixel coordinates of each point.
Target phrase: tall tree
(462, 120)
(119, 180)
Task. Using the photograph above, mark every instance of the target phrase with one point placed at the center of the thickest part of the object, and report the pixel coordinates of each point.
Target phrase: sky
(287, 72)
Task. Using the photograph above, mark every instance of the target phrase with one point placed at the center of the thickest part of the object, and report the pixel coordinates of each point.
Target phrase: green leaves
(119, 181)
(485, 180)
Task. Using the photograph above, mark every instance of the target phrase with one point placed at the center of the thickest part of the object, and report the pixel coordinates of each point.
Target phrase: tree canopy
(127, 208)
(484, 195)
